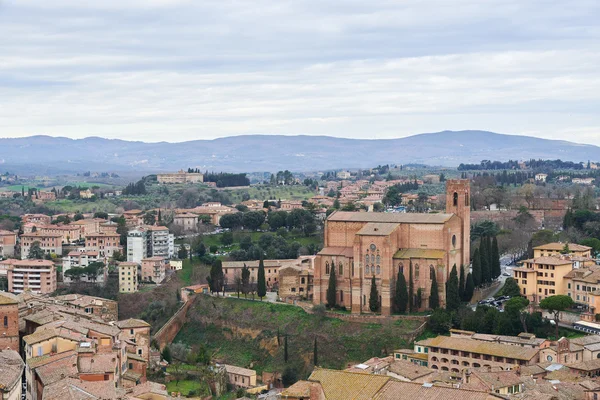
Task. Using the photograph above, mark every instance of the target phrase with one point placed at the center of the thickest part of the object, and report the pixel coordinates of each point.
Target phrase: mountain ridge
(261, 152)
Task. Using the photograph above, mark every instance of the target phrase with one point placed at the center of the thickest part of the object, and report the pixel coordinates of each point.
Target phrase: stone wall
(166, 334)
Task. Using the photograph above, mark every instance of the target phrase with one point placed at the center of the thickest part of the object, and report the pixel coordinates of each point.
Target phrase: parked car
(505, 274)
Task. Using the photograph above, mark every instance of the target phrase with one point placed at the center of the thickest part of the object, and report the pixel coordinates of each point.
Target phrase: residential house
(557, 248)
(11, 371)
(153, 269)
(36, 218)
(137, 245)
(240, 377)
(39, 276)
(541, 177)
(128, 277)
(50, 243)
(188, 222)
(106, 244)
(136, 333)
(81, 259)
(8, 242)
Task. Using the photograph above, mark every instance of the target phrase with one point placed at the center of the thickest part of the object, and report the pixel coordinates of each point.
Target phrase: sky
(177, 70)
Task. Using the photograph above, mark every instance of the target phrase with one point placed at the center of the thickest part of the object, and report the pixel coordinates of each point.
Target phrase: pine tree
(374, 296)
(332, 288)
(461, 284)
(410, 288)
(485, 261)
(434, 296)
(469, 287)
(496, 258)
(452, 297)
(401, 297)
(476, 268)
(315, 354)
(261, 285)
(285, 349)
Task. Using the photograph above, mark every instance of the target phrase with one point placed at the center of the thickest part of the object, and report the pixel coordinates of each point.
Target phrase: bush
(289, 376)
(319, 310)
(440, 321)
(214, 248)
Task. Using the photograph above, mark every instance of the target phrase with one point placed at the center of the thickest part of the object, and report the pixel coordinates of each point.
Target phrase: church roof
(398, 218)
(377, 229)
(430, 254)
(338, 251)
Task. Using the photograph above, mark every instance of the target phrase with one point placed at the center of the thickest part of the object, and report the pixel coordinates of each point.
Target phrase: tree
(556, 304)
(315, 353)
(440, 321)
(35, 251)
(434, 296)
(245, 280)
(496, 268)
(410, 287)
(74, 273)
(78, 217)
(166, 355)
(374, 296)
(461, 284)
(452, 297)
(149, 219)
(565, 249)
(101, 214)
(285, 349)
(510, 288)
(216, 277)
(514, 307)
(182, 253)
(484, 259)
(93, 270)
(261, 284)
(469, 287)
(227, 238)
(332, 288)
(253, 220)
(401, 296)
(476, 268)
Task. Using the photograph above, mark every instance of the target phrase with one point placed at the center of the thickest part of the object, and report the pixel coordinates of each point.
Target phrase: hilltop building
(180, 177)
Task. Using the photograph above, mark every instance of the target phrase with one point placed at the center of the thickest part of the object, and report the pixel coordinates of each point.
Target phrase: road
(505, 267)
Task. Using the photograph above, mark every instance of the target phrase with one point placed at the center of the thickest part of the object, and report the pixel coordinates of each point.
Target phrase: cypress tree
(476, 268)
(410, 288)
(434, 296)
(261, 286)
(469, 287)
(496, 258)
(332, 288)
(488, 244)
(315, 354)
(401, 298)
(461, 284)
(374, 296)
(216, 277)
(485, 261)
(285, 349)
(452, 297)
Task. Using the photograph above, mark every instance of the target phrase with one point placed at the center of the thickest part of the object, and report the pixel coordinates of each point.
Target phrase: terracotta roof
(42, 234)
(299, 389)
(591, 365)
(394, 390)
(11, 369)
(343, 385)
(377, 229)
(132, 323)
(36, 362)
(557, 246)
(7, 298)
(480, 347)
(400, 218)
(408, 370)
(58, 368)
(74, 389)
(337, 251)
(548, 261)
(97, 364)
(133, 356)
(496, 379)
(430, 254)
(149, 387)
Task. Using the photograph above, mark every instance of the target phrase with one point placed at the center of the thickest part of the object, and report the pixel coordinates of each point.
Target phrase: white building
(137, 245)
(81, 259)
(343, 175)
(541, 177)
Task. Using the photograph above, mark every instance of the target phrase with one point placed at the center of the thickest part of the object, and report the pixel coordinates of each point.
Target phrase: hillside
(48, 155)
(244, 333)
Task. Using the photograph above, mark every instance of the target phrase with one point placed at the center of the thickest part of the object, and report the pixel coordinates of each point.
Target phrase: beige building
(296, 282)
(186, 221)
(556, 249)
(70, 233)
(11, 371)
(240, 377)
(180, 177)
(128, 277)
(36, 218)
(233, 269)
(50, 243)
(39, 276)
(137, 332)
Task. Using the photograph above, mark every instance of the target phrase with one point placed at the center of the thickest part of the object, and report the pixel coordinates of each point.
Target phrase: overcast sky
(178, 70)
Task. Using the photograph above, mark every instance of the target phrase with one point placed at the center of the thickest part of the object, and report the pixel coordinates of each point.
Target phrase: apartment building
(541, 277)
(81, 259)
(137, 245)
(8, 242)
(457, 353)
(160, 242)
(153, 269)
(39, 276)
(104, 243)
(36, 218)
(557, 248)
(128, 277)
(70, 233)
(50, 243)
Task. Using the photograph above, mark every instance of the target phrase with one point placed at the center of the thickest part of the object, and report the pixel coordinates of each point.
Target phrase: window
(131, 331)
(401, 268)
(5, 321)
(466, 199)
(378, 270)
(341, 269)
(326, 268)
(302, 280)
(455, 199)
(453, 240)
(130, 365)
(416, 271)
(431, 272)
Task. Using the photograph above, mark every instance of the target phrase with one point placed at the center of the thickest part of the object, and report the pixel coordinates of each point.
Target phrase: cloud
(178, 70)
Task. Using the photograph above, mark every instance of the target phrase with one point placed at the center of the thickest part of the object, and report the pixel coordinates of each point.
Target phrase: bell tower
(458, 202)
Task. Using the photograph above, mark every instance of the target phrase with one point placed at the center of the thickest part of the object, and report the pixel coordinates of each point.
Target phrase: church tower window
(341, 269)
(431, 272)
(326, 268)
(416, 271)
(455, 199)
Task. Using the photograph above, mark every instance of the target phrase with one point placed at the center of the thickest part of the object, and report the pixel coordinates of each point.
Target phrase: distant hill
(45, 154)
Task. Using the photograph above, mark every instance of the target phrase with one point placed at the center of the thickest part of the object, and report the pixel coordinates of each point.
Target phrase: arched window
(455, 370)
(378, 270)
(326, 268)
(341, 269)
(455, 199)
(366, 270)
(434, 359)
(401, 268)
(416, 271)
(453, 240)
(476, 365)
(444, 368)
(5, 321)
(465, 363)
(434, 367)
(367, 259)
(302, 280)
(467, 200)
(372, 258)
(431, 272)
(378, 259)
